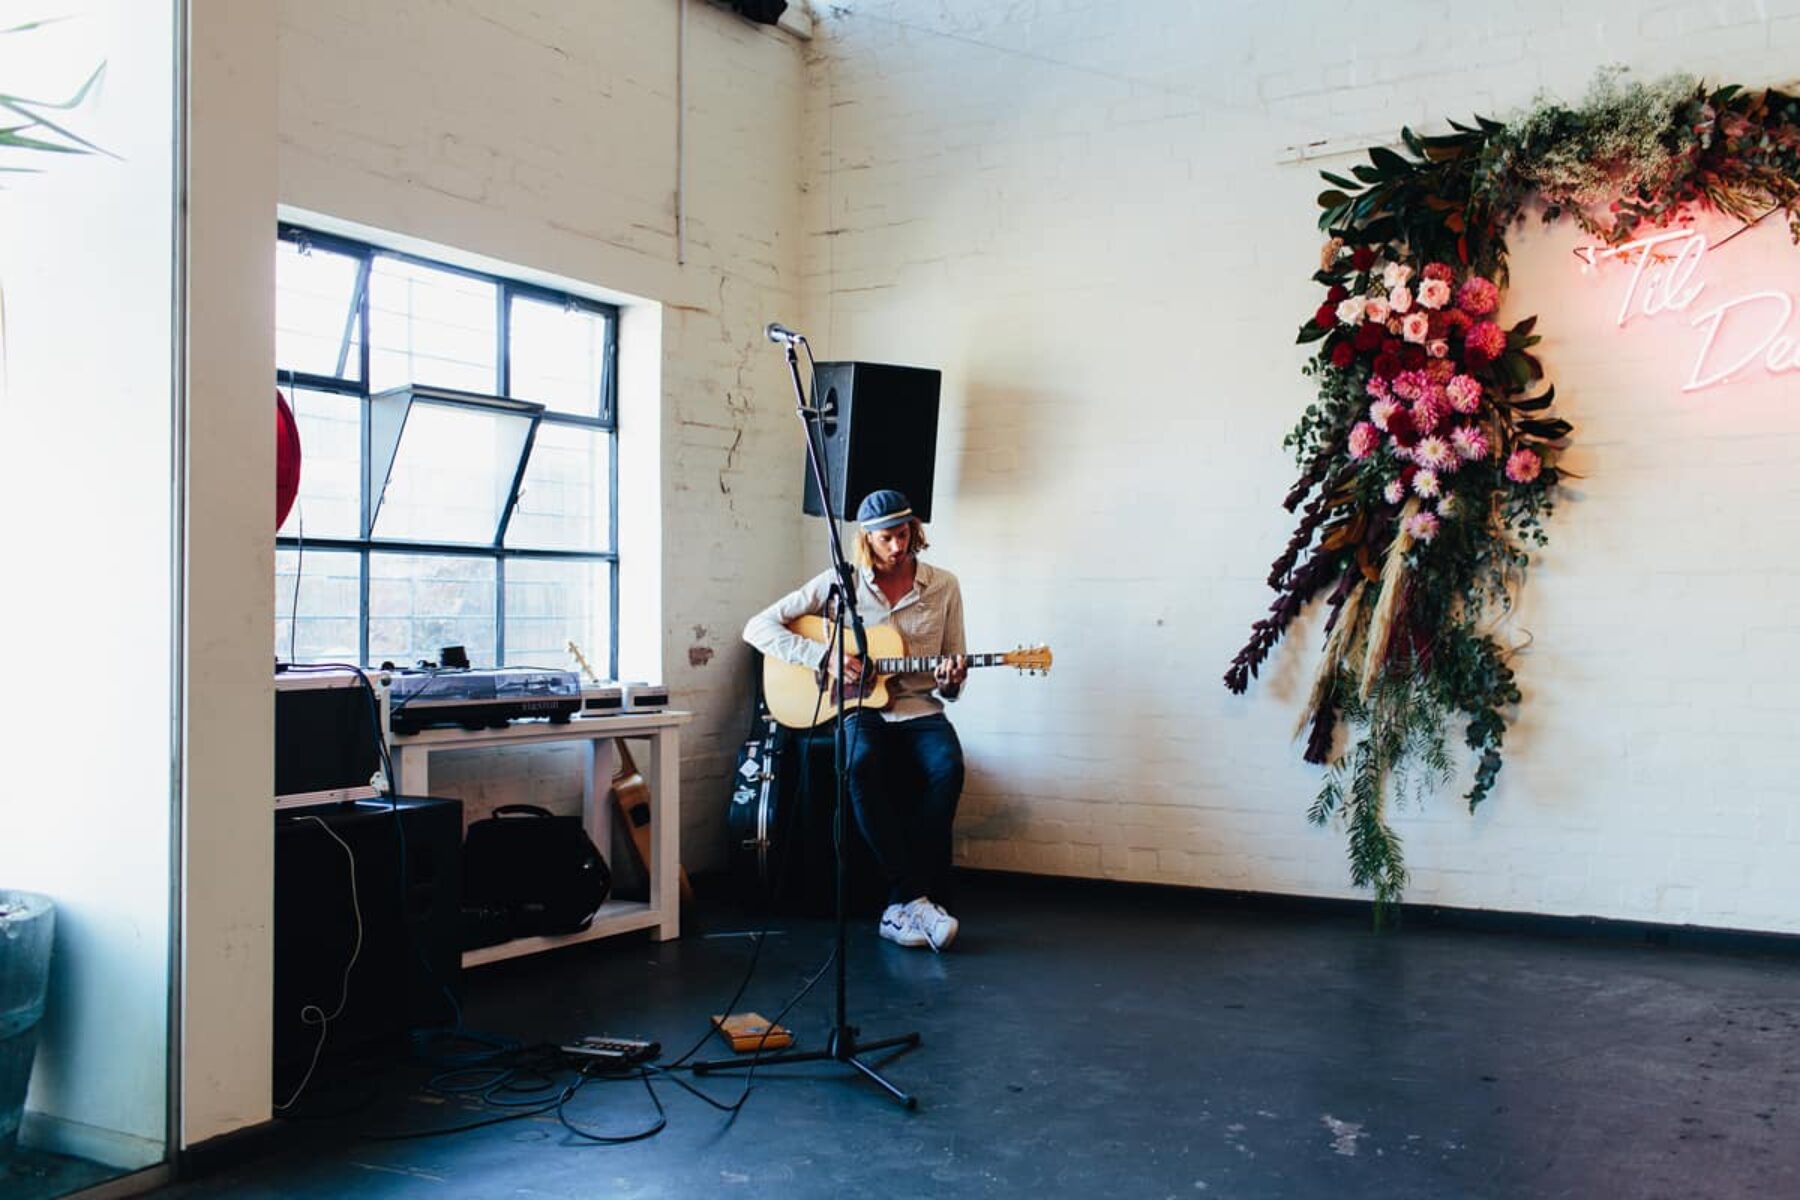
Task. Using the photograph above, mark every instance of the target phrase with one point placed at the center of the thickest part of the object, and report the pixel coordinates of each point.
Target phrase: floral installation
(1429, 458)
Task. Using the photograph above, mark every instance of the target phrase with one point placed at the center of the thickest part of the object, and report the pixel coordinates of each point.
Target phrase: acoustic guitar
(802, 698)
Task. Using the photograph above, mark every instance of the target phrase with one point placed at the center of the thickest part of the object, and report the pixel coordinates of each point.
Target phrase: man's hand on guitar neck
(950, 674)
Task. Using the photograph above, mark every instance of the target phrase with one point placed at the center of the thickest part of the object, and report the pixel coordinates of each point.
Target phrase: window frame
(357, 329)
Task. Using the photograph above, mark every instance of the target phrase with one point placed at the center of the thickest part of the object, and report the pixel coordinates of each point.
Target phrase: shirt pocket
(923, 628)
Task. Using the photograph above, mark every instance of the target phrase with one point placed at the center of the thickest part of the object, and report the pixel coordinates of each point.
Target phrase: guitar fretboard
(898, 666)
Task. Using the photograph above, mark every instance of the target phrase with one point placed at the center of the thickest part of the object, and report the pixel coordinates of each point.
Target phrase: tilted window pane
(420, 603)
(431, 326)
(330, 501)
(330, 583)
(451, 475)
(557, 356)
(565, 499)
(552, 603)
(316, 330)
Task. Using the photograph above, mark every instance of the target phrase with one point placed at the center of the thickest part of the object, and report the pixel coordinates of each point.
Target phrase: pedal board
(611, 1053)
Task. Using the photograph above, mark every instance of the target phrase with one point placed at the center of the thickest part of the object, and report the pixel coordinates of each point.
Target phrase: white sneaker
(937, 926)
(897, 925)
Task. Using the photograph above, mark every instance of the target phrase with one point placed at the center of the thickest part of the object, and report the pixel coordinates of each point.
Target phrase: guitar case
(779, 825)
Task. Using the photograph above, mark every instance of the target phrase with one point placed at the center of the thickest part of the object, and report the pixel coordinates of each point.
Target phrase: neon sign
(1662, 281)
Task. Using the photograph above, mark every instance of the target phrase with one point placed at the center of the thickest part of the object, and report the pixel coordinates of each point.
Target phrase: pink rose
(1400, 300)
(1434, 293)
(1377, 310)
(1415, 327)
(1438, 348)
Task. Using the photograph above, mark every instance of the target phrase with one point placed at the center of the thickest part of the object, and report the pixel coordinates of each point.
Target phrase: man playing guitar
(908, 831)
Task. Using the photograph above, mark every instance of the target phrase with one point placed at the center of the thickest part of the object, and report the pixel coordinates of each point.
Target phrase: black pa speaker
(403, 894)
(880, 431)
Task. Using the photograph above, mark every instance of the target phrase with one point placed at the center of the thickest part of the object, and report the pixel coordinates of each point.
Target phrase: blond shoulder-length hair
(864, 557)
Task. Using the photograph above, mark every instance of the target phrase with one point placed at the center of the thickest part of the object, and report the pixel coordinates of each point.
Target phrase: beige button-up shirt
(929, 619)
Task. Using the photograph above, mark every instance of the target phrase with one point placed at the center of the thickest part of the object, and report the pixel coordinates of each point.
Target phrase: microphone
(775, 331)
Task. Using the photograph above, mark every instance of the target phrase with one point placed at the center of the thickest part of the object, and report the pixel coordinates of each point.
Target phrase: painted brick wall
(545, 136)
(1087, 215)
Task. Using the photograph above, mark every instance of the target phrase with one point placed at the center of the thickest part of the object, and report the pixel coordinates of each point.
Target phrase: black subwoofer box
(407, 893)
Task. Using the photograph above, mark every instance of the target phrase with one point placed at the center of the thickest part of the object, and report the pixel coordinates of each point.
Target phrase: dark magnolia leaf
(1723, 96)
(1461, 128)
(1412, 141)
(1535, 404)
(1488, 126)
(1310, 332)
(1330, 277)
(1366, 174)
(1340, 181)
(1513, 370)
(1333, 199)
(1525, 326)
(1549, 429)
(1391, 165)
(1381, 230)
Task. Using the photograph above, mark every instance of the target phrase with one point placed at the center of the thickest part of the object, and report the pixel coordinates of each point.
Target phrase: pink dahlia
(1523, 466)
(1382, 409)
(1470, 442)
(1478, 297)
(1410, 385)
(1464, 393)
(1428, 414)
(1436, 454)
(1422, 526)
(1434, 293)
(1439, 271)
(1425, 483)
(1377, 387)
(1364, 438)
(1447, 505)
(1484, 342)
(1394, 492)
(1415, 327)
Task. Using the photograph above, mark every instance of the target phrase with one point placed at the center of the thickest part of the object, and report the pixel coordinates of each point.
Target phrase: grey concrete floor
(1083, 1040)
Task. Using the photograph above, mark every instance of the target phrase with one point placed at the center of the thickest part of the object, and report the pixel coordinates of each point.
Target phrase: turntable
(480, 699)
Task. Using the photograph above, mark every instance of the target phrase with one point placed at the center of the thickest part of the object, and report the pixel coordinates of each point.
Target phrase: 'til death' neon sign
(1754, 325)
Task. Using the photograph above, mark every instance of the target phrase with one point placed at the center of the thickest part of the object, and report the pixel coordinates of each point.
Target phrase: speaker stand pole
(843, 1045)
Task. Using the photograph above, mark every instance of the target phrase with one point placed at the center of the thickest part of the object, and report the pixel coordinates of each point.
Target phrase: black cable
(662, 1116)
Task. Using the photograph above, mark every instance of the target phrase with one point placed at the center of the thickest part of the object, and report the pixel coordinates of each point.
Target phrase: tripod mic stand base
(842, 1046)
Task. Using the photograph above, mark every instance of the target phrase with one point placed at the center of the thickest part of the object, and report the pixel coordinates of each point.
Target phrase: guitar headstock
(1032, 659)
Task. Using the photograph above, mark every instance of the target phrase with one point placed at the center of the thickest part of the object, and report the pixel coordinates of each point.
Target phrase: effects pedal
(611, 1053)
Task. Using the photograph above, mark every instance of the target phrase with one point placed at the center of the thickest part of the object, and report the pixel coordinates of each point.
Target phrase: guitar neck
(902, 666)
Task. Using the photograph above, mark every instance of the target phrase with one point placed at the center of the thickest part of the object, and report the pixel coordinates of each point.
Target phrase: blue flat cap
(884, 510)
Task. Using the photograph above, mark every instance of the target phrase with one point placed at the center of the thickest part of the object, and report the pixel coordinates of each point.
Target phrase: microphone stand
(843, 1045)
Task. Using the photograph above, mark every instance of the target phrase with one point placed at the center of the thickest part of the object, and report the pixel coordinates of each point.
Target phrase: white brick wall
(544, 136)
(1080, 213)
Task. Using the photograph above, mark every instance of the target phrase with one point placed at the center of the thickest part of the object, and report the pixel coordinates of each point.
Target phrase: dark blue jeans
(905, 780)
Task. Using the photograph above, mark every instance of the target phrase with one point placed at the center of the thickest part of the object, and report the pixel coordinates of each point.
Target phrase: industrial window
(459, 462)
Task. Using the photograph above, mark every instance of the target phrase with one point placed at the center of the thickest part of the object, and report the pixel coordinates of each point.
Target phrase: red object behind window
(287, 459)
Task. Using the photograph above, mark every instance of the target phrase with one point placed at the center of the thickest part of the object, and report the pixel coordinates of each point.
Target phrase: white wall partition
(86, 810)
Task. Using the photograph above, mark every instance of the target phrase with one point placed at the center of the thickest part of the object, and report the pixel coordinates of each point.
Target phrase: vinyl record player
(480, 699)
